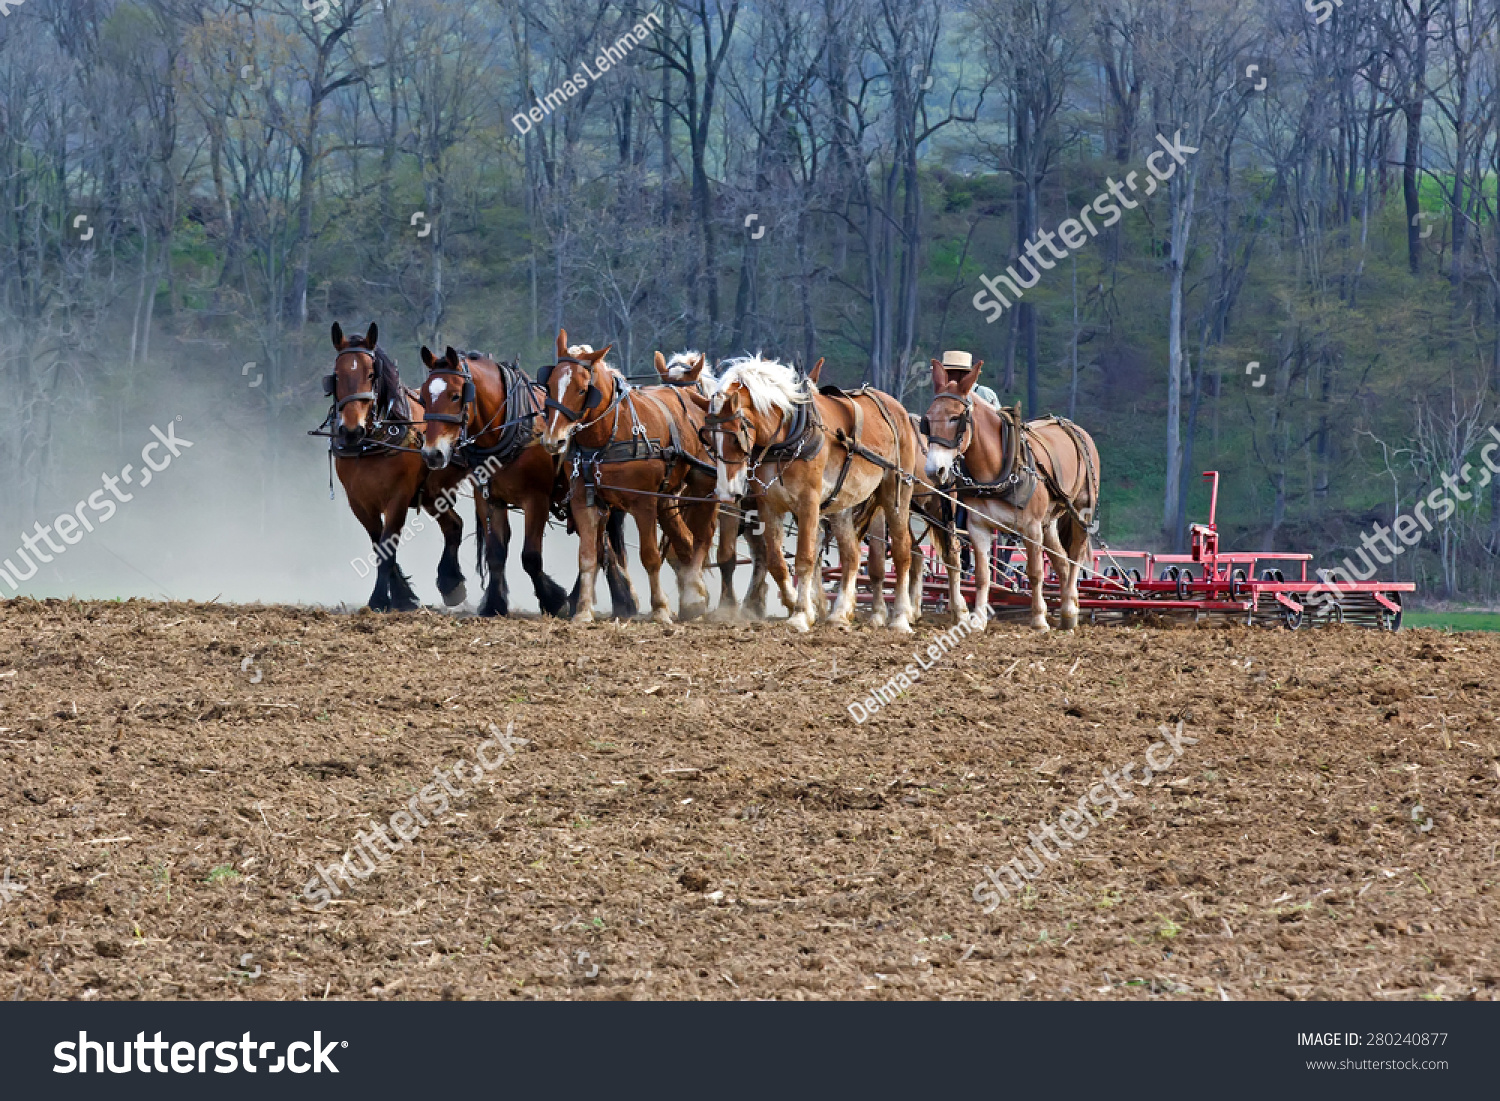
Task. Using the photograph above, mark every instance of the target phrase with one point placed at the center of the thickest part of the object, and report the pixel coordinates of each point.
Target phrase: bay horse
(1038, 480)
(816, 454)
(636, 450)
(482, 417)
(374, 446)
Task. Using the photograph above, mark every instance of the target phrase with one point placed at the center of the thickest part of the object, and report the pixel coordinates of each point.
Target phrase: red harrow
(1253, 588)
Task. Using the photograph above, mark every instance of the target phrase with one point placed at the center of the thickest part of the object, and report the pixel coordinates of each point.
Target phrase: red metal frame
(1205, 581)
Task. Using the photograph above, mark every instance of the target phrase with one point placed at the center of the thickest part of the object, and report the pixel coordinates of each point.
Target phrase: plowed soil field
(694, 813)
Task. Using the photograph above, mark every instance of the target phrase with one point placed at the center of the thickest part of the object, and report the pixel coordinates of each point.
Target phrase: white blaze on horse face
(556, 438)
(731, 487)
(438, 387)
(940, 462)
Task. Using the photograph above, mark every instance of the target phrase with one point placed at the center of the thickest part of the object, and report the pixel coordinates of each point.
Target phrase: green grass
(1453, 621)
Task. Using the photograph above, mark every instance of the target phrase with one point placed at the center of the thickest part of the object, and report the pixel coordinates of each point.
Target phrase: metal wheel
(1238, 585)
(1391, 621)
(1292, 620)
(1184, 580)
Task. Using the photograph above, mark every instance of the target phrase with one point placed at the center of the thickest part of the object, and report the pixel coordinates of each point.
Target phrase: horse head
(949, 421)
(448, 399)
(577, 384)
(355, 384)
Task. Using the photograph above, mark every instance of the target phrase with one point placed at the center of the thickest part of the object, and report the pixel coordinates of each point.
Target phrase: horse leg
(624, 601)
(896, 504)
(682, 551)
(549, 594)
(1033, 532)
(981, 538)
(701, 519)
(775, 562)
(645, 515)
(450, 575)
(875, 563)
(496, 600)
(1067, 576)
(947, 545)
(762, 549)
(728, 558)
(820, 593)
(841, 527)
(809, 577)
(590, 536)
(392, 587)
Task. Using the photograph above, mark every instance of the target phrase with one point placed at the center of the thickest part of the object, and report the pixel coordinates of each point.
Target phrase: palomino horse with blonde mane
(374, 446)
(690, 370)
(816, 454)
(1038, 480)
(636, 450)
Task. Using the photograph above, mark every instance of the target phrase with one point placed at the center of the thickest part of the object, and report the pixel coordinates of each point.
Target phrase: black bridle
(965, 423)
(715, 426)
(466, 396)
(331, 382)
(591, 398)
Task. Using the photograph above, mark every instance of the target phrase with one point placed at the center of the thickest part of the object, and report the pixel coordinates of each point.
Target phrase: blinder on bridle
(716, 426)
(466, 396)
(591, 398)
(964, 421)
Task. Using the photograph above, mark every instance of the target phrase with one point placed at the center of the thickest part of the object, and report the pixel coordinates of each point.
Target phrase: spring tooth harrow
(1266, 589)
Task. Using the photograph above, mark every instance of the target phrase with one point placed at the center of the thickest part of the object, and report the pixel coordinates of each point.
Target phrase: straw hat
(958, 361)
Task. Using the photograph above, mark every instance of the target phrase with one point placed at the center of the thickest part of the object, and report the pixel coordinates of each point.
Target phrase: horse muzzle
(350, 437)
(437, 457)
(940, 466)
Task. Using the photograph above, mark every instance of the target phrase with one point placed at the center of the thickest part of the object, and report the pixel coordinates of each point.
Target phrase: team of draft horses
(696, 454)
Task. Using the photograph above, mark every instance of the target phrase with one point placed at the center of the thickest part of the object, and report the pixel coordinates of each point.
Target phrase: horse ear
(597, 357)
(979, 366)
(706, 404)
(338, 337)
(661, 365)
(562, 344)
(428, 359)
(452, 356)
(372, 338)
(939, 377)
(816, 372)
(966, 383)
(694, 372)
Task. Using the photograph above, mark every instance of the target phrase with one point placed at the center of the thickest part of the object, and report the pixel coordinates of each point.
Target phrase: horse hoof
(693, 611)
(799, 623)
(583, 617)
(1041, 628)
(876, 619)
(662, 616)
(900, 626)
(454, 597)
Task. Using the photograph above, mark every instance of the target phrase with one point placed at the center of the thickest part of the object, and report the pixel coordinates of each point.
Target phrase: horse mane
(771, 385)
(683, 362)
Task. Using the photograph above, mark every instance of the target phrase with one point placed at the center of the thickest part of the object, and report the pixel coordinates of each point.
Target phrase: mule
(1038, 480)
(816, 454)
(374, 448)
